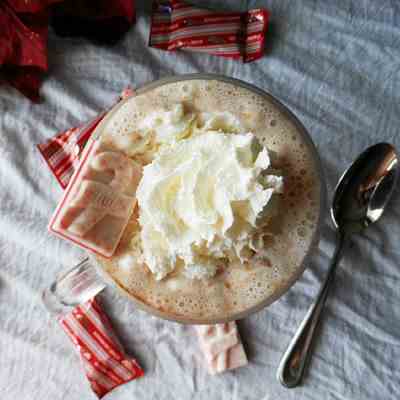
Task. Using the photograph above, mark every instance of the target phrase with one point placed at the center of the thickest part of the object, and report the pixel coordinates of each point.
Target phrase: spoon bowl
(365, 188)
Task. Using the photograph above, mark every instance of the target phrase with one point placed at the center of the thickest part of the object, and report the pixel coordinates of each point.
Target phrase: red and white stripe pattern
(222, 347)
(178, 25)
(62, 152)
(101, 354)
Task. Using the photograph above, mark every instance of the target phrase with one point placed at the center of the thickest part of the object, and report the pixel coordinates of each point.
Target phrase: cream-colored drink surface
(235, 286)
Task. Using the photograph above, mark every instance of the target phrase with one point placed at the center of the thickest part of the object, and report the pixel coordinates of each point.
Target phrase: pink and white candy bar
(221, 346)
(98, 201)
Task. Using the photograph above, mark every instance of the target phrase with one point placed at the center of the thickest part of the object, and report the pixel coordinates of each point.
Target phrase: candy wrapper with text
(103, 359)
(178, 25)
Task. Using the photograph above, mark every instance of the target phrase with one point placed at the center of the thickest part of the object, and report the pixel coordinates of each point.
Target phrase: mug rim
(287, 284)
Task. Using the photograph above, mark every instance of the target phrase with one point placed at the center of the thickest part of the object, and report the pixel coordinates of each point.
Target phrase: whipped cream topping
(164, 127)
(169, 126)
(203, 195)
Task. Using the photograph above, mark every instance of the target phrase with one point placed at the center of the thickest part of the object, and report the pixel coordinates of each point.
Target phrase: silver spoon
(359, 200)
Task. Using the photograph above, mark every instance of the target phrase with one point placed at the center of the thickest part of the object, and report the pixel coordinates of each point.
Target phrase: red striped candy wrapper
(178, 25)
(102, 356)
(62, 152)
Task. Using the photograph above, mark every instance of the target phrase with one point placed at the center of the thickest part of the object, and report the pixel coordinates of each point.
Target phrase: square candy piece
(99, 200)
(221, 346)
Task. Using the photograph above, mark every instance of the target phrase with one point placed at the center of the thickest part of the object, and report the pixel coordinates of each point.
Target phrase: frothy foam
(241, 286)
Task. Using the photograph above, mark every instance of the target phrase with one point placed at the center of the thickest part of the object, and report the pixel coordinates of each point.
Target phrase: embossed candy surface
(98, 201)
(221, 346)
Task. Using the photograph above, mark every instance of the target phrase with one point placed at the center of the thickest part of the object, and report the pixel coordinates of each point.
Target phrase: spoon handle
(297, 355)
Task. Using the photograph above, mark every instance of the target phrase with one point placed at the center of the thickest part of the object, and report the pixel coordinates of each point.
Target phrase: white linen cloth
(336, 66)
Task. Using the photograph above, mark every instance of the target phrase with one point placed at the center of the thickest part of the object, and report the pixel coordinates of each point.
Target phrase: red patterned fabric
(24, 31)
(23, 45)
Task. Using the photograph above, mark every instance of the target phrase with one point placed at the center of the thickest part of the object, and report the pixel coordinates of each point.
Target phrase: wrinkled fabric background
(336, 65)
